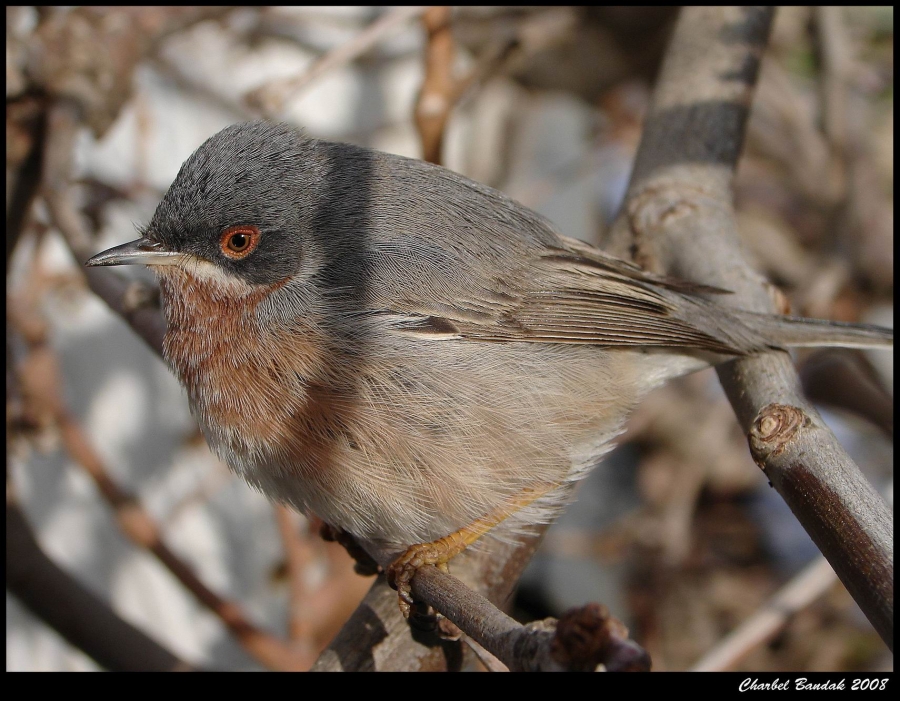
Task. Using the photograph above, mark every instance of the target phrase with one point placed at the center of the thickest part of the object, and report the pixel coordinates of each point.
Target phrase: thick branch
(678, 218)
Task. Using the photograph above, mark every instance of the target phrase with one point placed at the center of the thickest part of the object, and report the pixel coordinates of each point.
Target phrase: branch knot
(774, 428)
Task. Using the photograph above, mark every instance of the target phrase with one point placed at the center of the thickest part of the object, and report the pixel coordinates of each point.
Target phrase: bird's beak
(143, 251)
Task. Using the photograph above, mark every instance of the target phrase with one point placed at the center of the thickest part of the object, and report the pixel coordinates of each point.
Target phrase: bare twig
(678, 218)
(806, 587)
(584, 639)
(88, 54)
(132, 301)
(838, 377)
(834, 53)
(25, 133)
(378, 626)
(439, 88)
(490, 662)
(271, 97)
(802, 590)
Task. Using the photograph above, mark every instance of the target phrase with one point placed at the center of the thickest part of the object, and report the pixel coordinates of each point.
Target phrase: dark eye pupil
(239, 242)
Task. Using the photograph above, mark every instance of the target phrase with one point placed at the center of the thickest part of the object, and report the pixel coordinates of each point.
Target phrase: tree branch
(678, 218)
(73, 611)
(439, 88)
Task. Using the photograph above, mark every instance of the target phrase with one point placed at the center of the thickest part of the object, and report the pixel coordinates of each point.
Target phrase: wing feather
(578, 294)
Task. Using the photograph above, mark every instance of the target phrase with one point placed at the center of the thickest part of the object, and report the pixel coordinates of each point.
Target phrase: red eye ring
(238, 242)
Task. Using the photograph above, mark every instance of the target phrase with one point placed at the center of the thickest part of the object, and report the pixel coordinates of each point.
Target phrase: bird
(409, 355)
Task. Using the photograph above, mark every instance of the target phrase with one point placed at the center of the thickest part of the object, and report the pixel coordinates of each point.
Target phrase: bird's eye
(238, 242)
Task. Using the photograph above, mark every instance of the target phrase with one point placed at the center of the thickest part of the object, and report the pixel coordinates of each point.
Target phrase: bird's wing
(577, 294)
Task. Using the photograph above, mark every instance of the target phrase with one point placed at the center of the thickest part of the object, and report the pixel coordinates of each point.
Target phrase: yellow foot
(440, 552)
(403, 569)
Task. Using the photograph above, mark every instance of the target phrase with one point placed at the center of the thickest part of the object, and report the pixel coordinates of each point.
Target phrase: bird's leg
(364, 564)
(439, 552)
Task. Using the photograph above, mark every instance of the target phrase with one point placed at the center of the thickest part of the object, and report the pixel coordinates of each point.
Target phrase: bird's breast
(249, 385)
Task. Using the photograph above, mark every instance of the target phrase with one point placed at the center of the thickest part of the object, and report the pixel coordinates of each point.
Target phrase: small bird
(411, 356)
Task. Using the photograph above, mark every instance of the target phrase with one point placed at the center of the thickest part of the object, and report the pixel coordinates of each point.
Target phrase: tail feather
(797, 332)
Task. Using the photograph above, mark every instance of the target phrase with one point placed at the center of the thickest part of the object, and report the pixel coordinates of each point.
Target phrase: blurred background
(677, 532)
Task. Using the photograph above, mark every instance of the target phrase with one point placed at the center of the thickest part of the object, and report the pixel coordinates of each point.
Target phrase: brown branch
(25, 134)
(834, 54)
(441, 90)
(678, 218)
(134, 302)
(802, 590)
(296, 558)
(47, 590)
(88, 54)
(585, 638)
(439, 87)
(839, 378)
(378, 625)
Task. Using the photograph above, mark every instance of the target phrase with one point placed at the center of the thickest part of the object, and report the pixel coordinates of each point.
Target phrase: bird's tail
(796, 332)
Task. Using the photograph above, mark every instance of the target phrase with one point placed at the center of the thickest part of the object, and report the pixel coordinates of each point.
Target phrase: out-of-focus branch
(838, 377)
(74, 612)
(834, 54)
(801, 591)
(439, 88)
(88, 54)
(25, 133)
(678, 218)
(295, 558)
(134, 302)
(812, 582)
(271, 97)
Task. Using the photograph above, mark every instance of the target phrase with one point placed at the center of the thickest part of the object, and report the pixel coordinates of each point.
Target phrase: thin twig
(441, 90)
(801, 591)
(439, 87)
(834, 53)
(584, 638)
(271, 97)
(133, 301)
(297, 557)
(490, 662)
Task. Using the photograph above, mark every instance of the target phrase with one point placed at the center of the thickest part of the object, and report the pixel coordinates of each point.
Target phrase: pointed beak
(142, 251)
